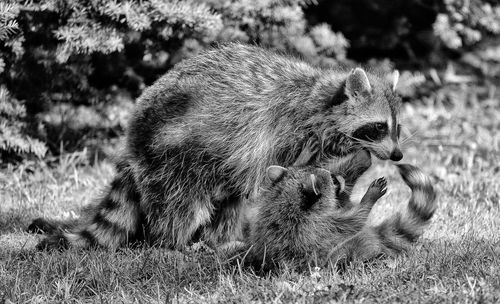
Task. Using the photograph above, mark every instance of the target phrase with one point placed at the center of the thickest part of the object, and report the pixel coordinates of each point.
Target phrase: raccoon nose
(396, 154)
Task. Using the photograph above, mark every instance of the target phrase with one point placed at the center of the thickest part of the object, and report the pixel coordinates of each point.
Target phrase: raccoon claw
(376, 190)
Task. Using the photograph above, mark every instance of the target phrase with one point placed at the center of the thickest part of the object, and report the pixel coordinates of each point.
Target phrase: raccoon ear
(395, 79)
(357, 82)
(276, 173)
(339, 181)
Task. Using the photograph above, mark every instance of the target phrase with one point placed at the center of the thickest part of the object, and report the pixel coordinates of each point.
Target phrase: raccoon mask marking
(366, 114)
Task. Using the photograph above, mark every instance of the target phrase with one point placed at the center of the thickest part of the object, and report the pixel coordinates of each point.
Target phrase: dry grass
(457, 260)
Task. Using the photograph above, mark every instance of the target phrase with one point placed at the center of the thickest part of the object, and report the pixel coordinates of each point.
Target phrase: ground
(456, 141)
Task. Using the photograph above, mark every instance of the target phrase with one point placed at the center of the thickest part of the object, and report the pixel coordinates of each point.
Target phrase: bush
(464, 23)
(381, 28)
(414, 29)
(14, 138)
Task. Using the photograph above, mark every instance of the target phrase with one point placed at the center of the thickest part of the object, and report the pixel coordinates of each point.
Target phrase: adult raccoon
(202, 136)
(296, 219)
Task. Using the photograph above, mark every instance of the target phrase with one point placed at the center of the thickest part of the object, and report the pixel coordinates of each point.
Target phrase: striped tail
(114, 222)
(397, 232)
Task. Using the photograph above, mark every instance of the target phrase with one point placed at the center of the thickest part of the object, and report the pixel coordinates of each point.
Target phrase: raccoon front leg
(172, 220)
(375, 191)
(225, 225)
(353, 168)
(350, 168)
(353, 220)
(307, 154)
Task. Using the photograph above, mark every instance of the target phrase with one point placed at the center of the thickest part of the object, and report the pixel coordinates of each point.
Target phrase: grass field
(457, 260)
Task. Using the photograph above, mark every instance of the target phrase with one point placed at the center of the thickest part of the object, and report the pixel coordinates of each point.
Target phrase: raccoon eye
(372, 131)
(381, 127)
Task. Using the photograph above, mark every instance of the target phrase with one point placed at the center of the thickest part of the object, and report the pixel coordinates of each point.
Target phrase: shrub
(464, 23)
(14, 138)
(381, 28)
(412, 29)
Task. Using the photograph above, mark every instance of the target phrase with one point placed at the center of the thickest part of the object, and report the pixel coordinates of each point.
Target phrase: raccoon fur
(202, 136)
(296, 220)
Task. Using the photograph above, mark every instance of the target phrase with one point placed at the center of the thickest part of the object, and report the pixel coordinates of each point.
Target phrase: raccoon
(296, 219)
(202, 136)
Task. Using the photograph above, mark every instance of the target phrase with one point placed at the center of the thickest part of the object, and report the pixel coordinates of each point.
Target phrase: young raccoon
(202, 136)
(295, 220)
(346, 170)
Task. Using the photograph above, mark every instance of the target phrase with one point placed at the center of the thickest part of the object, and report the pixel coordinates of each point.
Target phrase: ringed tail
(114, 222)
(399, 231)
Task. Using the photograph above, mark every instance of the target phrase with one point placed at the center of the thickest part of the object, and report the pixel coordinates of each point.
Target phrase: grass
(457, 260)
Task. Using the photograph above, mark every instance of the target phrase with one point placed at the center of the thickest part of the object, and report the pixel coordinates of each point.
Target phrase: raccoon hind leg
(363, 246)
(226, 224)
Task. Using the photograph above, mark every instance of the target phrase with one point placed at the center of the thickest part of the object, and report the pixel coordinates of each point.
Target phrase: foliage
(8, 25)
(464, 22)
(14, 138)
(279, 25)
(381, 28)
(413, 29)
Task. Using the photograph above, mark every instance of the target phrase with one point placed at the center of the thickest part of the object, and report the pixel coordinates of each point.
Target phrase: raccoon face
(380, 139)
(303, 189)
(371, 111)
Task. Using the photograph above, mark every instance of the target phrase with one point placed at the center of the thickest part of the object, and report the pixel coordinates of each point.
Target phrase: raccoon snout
(396, 155)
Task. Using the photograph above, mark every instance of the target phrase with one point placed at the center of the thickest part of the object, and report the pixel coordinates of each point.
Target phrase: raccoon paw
(313, 145)
(40, 226)
(231, 249)
(53, 242)
(375, 191)
(310, 150)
